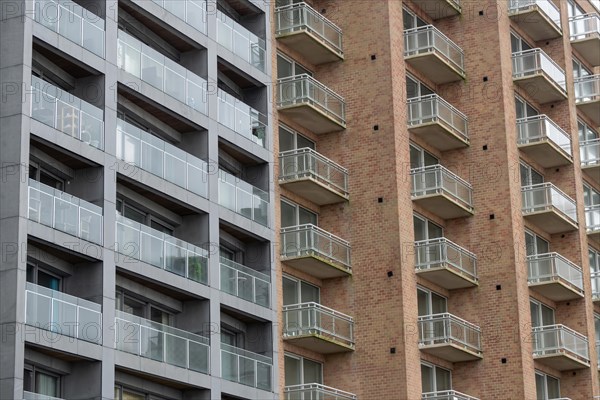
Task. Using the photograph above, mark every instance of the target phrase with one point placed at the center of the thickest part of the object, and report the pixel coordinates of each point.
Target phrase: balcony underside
(443, 206)
(316, 266)
(452, 352)
(536, 24)
(311, 118)
(438, 9)
(593, 171)
(551, 221)
(591, 109)
(541, 88)
(310, 47)
(439, 135)
(588, 49)
(434, 67)
(546, 153)
(313, 190)
(447, 277)
(594, 235)
(556, 290)
(319, 343)
(561, 361)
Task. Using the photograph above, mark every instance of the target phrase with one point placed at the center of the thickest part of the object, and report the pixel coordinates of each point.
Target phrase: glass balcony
(241, 118)
(315, 251)
(595, 275)
(192, 12)
(585, 37)
(36, 396)
(592, 220)
(438, 9)
(540, 19)
(240, 41)
(555, 277)
(544, 141)
(72, 22)
(64, 212)
(311, 104)
(140, 242)
(243, 198)
(560, 347)
(245, 367)
(434, 55)
(590, 158)
(446, 264)
(549, 208)
(318, 328)
(447, 395)
(164, 74)
(245, 283)
(315, 391)
(449, 337)
(313, 176)
(161, 343)
(146, 151)
(435, 121)
(308, 32)
(587, 97)
(63, 314)
(63, 111)
(441, 192)
(536, 73)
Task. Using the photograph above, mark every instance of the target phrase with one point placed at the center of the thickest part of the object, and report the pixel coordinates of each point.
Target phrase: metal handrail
(534, 61)
(426, 259)
(553, 198)
(430, 332)
(431, 108)
(423, 186)
(538, 128)
(559, 267)
(567, 340)
(245, 283)
(310, 317)
(427, 39)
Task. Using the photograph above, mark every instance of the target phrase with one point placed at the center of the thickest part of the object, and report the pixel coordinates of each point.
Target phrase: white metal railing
(547, 6)
(73, 22)
(304, 89)
(590, 152)
(310, 240)
(436, 179)
(315, 391)
(550, 267)
(245, 283)
(67, 113)
(434, 253)
(307, 163)
(246, 367)
(64, 212)
(547, 197)
(587, 88)
(240, 41)
(161, 343)
(433, 108)
(302, 17)
(595, 276)
(243, 198)
(533, 62)
(436, 329)
(63, 314)
(152, 154)
(540, 128)
(140, 242)
(447, 395)
(584, 26)
(558, 339)
(428, 39)
(193, 12)
(155, 69)
(592, 218)
(314, 319)
(36, 396)
(241, 118)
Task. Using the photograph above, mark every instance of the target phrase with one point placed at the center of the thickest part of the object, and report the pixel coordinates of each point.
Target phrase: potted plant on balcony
(197, 269)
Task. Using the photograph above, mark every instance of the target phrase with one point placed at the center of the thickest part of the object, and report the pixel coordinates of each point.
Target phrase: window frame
(301, 359)
(520, 40)
(539, 305)
(545, 377)
(422, 153)
(426, 222)
(530, 171)
(148, 216)
(580, 70)
(419, 85)
(435, 368)
(295, 135)
(535, 238)
(586, 132)
(35, 369)
(294, 64)
(147, 305)
(39, 266)
(526, 106)
(297, 208)
(429, 304)
(298, 282)
(416, 21)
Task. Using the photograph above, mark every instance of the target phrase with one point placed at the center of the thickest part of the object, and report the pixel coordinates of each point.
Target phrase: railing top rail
(592, 15)
(439, 99)
(247, 270)
(311, 227)
(443, 240)
(448, 316)
(559, 327)
(547, 185)
(440, 167)
(64, 297)
(312, 81)
(447, 395)
(317, 306)
(318, 386)
(133, 319)
(595, 274)
(246, 353)
(541, 53)
(590, 142)
(314, 154)
(312, 11)
(518, 4)
(595, 77)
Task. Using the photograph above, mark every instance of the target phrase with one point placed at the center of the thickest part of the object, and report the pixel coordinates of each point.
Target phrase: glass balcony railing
(240, 41)
(140, 242)
(558, 340)
(432, 108)
(428, 39)
(155, 69)
(64, 212)
(193, 12)
(547, 6)
(63, 111)
(314, 319)
(146, 151)
(161, 343)
(63, 314)
(590, 152)
(595, 275)
(315, 391)
(241, 118)
(584, 26)
(587, 88)
(434, 253)
(436, 179)
(534, 62)
(550, 267)
(592, 218)
(243, 198)
(36, 396)
(540, 128)
(547, 197)
(245, 367)
(443, 328)
(73, 22)
(447, 395)
(245, 283)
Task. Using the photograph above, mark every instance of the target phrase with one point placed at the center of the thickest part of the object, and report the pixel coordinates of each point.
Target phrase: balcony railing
(161, 343)
(547, 197)
(64, 212)
(447, 395)
(587, 89)
(36, 396)
(63, 314)
(428, 39)
(307, 319)
(315, 391)
(241, 118)
(243, 198)
(540, 128)
(595, 276)
(534, 62)
(559, 339)
(590, 152)
(592, 218)
(193, 12)
(433, 109)
(146, 151)
(445, 328)
(547, 6)
(441, 251)
(73, 22)
(584, 26)
(140, 242)
(245, 283)
(63, 111)
(550, 267)
(436, 179)
(166, 75)
(240, 41)
(245, 367)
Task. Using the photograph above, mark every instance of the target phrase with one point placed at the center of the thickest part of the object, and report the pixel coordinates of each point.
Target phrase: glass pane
(547, 316)
(535, 314)
(308, 293)
(442, 379)
(423, 303)
(306, 217)
(46, 384)
(47, 280)
(133, 307)
(426, 378)
(290, 292)
(159, 316)
(434, 231)
(553, 387)
(419, 226)
(284, 67)
(540, 387)
(286, 140)
(288, 215)
(304, 142)
(438, 304)
(312, 372)
(292, 371)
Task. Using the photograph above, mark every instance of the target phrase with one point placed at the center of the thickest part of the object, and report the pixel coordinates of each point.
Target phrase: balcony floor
(319, 343)
(443, 206)
(561, 362)
(546, 153)
(311, 118)
(591, 109)
(313, 190)
(536, 24)
(435, 67)
(593, 171)
(447, 277)
(541, 88)
(439, 135)
(316, 266)
(451, 352)
(310, 47)
(438, 9)
(556, 290)
(588, 49)
(551, 221)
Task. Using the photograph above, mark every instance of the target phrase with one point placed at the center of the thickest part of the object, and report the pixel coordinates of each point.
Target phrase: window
(296, 291)
(293, 214)
(524, 109)
(595, 272)
(541, 314)
(580, 70)
(141, 308)
(535, 245)
(300, 370)
(231, 336)
(411, 20)
(40, 276)
(289, 139)
(517, 43)
(43, 175)
(420, 158)
(546, 386)
(287, 67)
(131, 212)
(435, 379)
(530, 176)
(40, 381)
(591, 197)
(416, 88)
(573, 9)
(430, 303)
(597, 327)
(425, 229)
(586, 132)
(125, 393)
